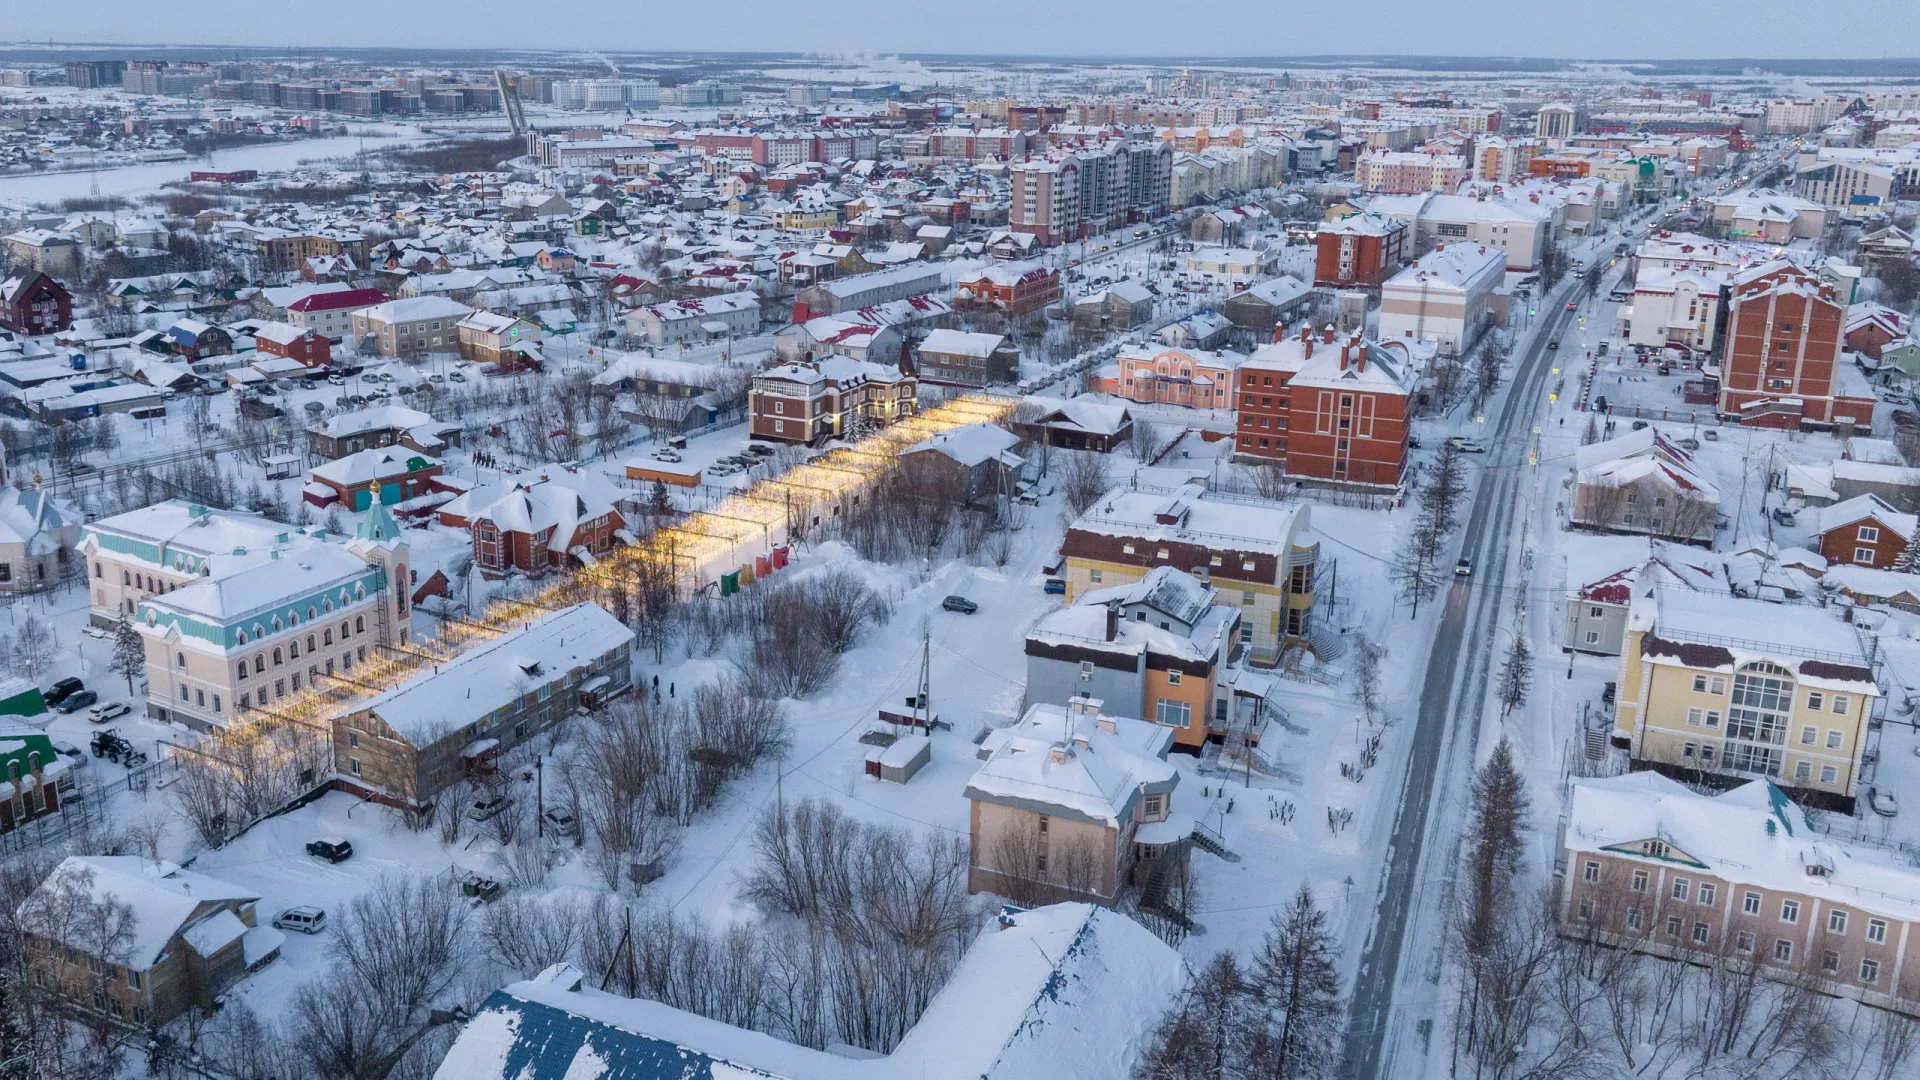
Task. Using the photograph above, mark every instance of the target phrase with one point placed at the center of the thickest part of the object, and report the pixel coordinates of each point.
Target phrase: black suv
(61, 690)
(331, 850)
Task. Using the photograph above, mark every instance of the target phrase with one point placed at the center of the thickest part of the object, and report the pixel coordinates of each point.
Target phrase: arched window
(179, 659)
(309, 642)
(259, 631)
(242, 669)
(276, 656)
(126, 578)
(346, 631)
(326, 636)
(278, 625)
(241, 637)
(310, 613)
(329, 606)
(359, 624)
(293, 649)
(99, 571)
(259, 663)
(360, 591)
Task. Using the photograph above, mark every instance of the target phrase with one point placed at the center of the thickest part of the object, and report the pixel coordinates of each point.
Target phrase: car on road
(1782, 516)
(331, 848)
(1883, 802)
(1573, 305)
(73, 703)
(1466, 446)
(486, 807)
(58, 692)
(305, 919)
(960, 604)
(1463, 568)
(107, 710)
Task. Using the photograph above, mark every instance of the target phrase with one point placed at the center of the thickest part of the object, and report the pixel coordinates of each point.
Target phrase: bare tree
(1297, 978)
(1085, 480)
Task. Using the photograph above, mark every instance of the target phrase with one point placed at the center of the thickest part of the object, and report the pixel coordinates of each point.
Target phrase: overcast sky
(1558, 28)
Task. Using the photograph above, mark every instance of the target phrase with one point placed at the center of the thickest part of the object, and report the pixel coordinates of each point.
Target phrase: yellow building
(1715, 686)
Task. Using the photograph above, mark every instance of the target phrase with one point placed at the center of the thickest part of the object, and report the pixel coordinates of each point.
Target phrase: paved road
(1466, 632)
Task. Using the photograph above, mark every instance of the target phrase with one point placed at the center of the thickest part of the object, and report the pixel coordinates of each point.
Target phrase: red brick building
(1330, 409)
(33, 303)
(537, 522)
(1360, 250)
(310, 347)
(1863, 531)
(1013, 288)
(1785, 336)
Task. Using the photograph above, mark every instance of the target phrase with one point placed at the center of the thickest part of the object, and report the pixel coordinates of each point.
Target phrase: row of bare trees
(1416, 569)
(788, 632)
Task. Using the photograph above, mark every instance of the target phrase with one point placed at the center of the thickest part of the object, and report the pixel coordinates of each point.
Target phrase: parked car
(306, 920)
(335, 380)
(1883, 802)
(487, 806)
(1782, 516)
(724, 468)
(73, 703)
(1639, 425)
(760, 450)
(1689, 443)
(55, 694)
(1056, 586)
(1466, 446)
(107, 710)
(960, 604)
(454, 376)
(95, 632)
(560, 822)
(332, 848)
(665, 455)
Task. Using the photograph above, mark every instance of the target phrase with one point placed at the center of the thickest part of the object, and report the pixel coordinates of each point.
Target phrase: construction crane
(510, 100)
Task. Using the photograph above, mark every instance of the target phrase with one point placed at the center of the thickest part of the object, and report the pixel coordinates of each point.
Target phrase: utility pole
(924, 702)
(539, 798)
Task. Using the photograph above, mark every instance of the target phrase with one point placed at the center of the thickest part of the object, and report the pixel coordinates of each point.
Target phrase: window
(1700, 932)
(1719, 686)
(1713, 721)
(216, 703)
(276, 656)
(183, 694)
(1750, 903)
(1590, 872)
(1093, 576)
(1869, 971)
(1173, 713)
(1586, 911)
(1830, 962)
(1634, 919)
(1803, 770)
(1829, 774)
(1681, 886)
(1673, 926)
(353, 765)
(133, 979)
(1809, 736)
(1696, 717)
(1593, 612)
(179, 659)
(1173, 678)
(1639, 881)
(1687, 752)
(1867, 534)
(1593, 637)
(1841, 704)
(1151, 805)
(1783, 950)
(1744, 941)
(1790, 911)
(1699, 684)
(1704, 893)
(1863, 556)
(1837, 922)
(353, 738)
(1815, 700)
(1246, 597)
(1876, 930)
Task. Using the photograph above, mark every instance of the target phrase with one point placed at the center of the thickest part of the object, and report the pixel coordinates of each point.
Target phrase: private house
(828, 399)
(32, 303)
(1120, 306)
(191, 339)
(1864, 586)
(536, 521)
(1200, 330)
(37, 537)
(1330, 411)
(1862, 531)
(960, 358)
(381, 425)
(54, 253)
(291, 342)
(1196, 378)
(1087, 422)
(1739, 879)
(975, 458)
(451, 722)
(1262, 308)
(391, 475)
(34, 770)
(1256, 553)
(671, 322)
(1073, 803)
(1871, 328)
(1719, 688)
(409, 327)
(189, 938)
(1642, 483)
(263, 625)
(1012, 288)
(487, 337)
(1051, 992)
(852, 335)
(1161, 646)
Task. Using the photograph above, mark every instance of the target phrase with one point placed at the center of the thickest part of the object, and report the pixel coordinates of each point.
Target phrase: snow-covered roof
(1190, 515)
(1710, 631)
(271, 578)
(960, 343)
(33, 520)
(379, 463)
(1086, 412)
(971, 444)
(377, 418)
(497, 673)
(414, 308)
(160, 895)
(1053, 992)
(550, 498)
(1752, 835)
(1860, 508)
(1073, 761)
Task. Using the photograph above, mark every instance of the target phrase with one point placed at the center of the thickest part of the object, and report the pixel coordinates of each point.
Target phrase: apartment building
(1359, 250)
(1014, 288)
(410, 327)
(735, 314)
(1195, 378)
(331, 313)
(828, 398)
(1445, 297)
(1520, 224)
(1403, 173)
(1741, 880)
(1674, 307)
(1785, 342)
(451, 722)
(1857, 181)
(1720, 688)
(1045, 199)
(1257, 553)
(1332, 410)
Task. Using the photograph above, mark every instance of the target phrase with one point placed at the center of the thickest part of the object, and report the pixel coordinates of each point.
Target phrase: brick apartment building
(1046, 199)
(33, 303)
(331, 313)
(1333, 409)
(310, 347)
(829, 398)
(1784, 344)
(1014, 288)
(1362, 249)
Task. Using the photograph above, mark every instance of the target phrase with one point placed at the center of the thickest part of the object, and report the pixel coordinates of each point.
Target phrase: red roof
(345, 298)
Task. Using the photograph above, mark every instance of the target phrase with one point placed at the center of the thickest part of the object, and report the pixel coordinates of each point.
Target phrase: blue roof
(546, 1041)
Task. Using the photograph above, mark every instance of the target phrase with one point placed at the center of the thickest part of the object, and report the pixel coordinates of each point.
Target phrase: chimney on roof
(1326, 335)
(1113, 621)
(1344, 350)
(1057, 753)
(1360, 357)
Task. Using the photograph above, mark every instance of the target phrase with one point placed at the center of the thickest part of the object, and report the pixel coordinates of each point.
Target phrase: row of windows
(1750, 901)
(279, 690)
(293, 648)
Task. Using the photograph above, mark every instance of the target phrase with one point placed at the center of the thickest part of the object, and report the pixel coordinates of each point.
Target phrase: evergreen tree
(1904, 562)
(129, 652)
(1298, 979)
(1516, 675)
(659, 503)
(1592, 434)
(1499, 801)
